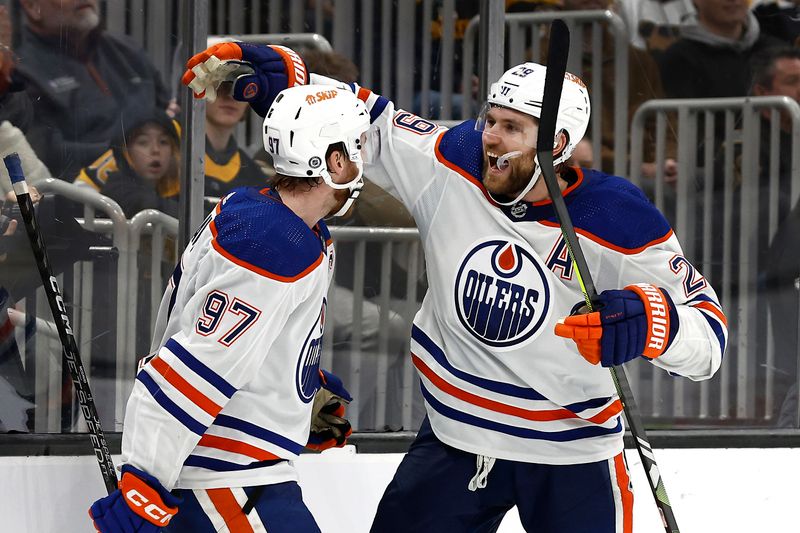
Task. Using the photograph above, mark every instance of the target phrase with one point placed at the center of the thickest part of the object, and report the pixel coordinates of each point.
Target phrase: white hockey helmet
(303, 122)
(521, 88)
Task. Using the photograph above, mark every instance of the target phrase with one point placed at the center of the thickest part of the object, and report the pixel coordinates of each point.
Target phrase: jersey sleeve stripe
(175, 279)
(713, 309)
(199, 368)
(258, 270)
(363, 93)
(374, 102)
(168, 405)
(717, 329)
(235, 446)
(610, 246)
(495, 386)
(703, 298)
(377, 108)
(486, 403)
(525, 433)
(186, 388)
(258, 432)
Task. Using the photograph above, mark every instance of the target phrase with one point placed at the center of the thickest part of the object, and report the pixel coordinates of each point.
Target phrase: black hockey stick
(558, 52)
(70, 349)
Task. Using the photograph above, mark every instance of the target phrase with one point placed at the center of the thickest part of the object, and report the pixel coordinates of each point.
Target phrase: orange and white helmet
(304, 121)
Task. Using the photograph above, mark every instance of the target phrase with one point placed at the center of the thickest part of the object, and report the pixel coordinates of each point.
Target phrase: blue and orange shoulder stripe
(614, 213)
(255, 230)
(460, 149)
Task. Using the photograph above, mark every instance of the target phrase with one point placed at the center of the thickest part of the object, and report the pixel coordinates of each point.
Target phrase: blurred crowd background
(695, 101)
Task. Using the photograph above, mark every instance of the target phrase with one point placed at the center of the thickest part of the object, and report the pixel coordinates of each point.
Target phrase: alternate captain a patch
(502, 296)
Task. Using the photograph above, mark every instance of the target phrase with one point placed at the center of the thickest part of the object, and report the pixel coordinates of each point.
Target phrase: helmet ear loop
(565, 152)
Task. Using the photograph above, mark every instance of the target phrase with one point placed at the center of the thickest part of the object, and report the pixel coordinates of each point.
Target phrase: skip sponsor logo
(307, 374)
(502, 296)
(321, 96)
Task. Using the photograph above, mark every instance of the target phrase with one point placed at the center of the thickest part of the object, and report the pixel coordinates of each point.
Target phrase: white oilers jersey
(226, 401)
(496, 379)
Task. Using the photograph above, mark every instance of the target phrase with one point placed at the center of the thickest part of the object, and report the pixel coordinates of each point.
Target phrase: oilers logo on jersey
(501, 293)
(307, 375)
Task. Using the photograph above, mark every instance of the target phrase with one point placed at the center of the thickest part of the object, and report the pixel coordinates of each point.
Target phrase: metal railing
(361, 338)
(384, 336)
(522, 28)
(728, 178)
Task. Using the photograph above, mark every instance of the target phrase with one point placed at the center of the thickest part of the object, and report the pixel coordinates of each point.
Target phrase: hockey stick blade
(71, 357)
(557, 55)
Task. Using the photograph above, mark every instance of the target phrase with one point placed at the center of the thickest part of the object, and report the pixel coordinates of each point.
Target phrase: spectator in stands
(777, 73)
(779, 18)
(14, 403)
(16, 387)
(653, 25)
(644, 83)
(712, 56)
(227, 166)
(15, 112)
(783, 296)
(79, 76)
(146, 155)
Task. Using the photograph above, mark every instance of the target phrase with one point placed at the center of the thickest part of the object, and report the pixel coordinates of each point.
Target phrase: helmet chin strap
(354, 193)
(502, 162)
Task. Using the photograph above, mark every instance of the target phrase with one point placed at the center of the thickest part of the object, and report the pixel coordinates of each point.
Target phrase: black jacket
(79, 99)
(132, 192)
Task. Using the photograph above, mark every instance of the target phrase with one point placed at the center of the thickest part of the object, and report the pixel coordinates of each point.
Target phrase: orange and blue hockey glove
(639, 320)
(139, 505)
(258, 72)
(329, 427)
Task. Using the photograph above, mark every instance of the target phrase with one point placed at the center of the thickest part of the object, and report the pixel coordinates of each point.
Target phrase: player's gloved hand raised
(638, 320)
(139, 505)
(258, 72)
(329, 428)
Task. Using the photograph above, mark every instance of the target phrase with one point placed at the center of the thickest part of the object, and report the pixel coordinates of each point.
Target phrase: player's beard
(510, 186)
(341, 196)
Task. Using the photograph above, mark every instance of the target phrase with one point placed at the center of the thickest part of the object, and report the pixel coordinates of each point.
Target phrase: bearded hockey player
(520, 409)
(234, 392)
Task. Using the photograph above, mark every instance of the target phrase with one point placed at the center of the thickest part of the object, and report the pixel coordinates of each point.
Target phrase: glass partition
(89, 97)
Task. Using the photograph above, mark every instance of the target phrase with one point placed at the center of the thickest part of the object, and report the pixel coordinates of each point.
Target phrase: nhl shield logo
(502, 297)
(519, 209)
(307, 374)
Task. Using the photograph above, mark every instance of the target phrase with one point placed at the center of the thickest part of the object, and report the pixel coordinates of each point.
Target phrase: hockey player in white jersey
(234, 392)
(520, 409)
